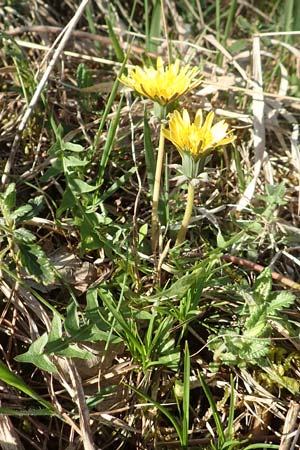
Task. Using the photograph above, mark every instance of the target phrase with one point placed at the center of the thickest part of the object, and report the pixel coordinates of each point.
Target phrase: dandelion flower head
(197, 139)
(163, 85)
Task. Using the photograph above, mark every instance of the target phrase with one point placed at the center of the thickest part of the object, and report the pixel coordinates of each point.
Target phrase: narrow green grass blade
(94, 400)
(117, 184)
(109, 143)
(229, 21)
(186, 396)
(155, 26)
(109, 104)
(218, 20)
(296, 25)
(25, 412)
(218, 30)
(229, 431)
(131, 338)
(288, 17)
(160, 335)
(212, 404)
(147, 25)
(162, 409)
(13, 380)
(260, 446)
(91, 22)
(117, 47)
(148, 338)
(239, 170)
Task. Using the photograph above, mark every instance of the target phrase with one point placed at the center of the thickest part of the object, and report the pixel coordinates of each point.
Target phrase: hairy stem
(156, 190)
(187, 214)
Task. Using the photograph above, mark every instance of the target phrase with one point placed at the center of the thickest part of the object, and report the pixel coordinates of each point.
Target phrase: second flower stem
(187, 214)
(156, 189)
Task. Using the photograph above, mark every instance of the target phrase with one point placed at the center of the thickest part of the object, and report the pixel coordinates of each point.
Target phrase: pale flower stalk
(187, 214)
(155, 225)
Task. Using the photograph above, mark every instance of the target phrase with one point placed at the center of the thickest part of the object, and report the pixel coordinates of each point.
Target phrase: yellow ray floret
(197, 138)
(163, 84)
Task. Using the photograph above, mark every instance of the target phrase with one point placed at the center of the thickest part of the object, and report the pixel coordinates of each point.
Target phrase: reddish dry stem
(259, 268)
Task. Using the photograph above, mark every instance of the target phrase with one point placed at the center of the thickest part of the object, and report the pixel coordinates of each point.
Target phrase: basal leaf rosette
(163, 84)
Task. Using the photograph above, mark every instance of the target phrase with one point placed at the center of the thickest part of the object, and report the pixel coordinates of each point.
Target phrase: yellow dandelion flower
(197, 139)
(164, 84)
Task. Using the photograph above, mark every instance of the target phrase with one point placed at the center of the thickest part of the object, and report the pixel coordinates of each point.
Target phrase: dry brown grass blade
(294, 138)
(289, 426)
(255, 10)
(285, 333)
(65, 37)
(258, 106)
(213, 41)
(81, 56)
(215, 86)
(9, 439)
(289, 47)
(77, 33)
(278, 33)
(84, 416)
(23, 299)
(277, 108)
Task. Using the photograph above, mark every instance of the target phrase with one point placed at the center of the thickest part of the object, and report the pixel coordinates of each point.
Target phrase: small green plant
(150, 347)
(249, 341)
(19, 248)
(25, 80)
(271, 200)
(82, 198)
(66, 334)
(262, 227)
(53, 343)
